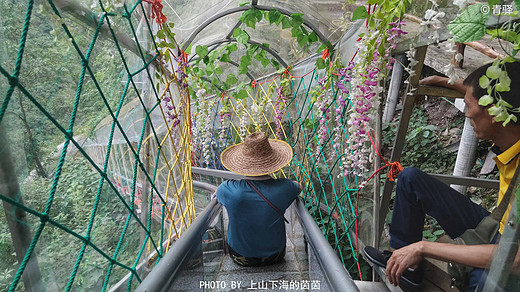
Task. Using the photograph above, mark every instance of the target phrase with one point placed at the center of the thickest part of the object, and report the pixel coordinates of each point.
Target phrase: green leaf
(493, 72)
(486, 100)
(232, 48)
(302, 40)
(275, 64)
(246, 60)
(251, 17)
(359, 13)
(188, 50)
(484, 81)
(231, 79)
(265, 62)
(218, 70)
(297, 19)
(210, 69)
(274, 16)
(313, 37)
(495, 111)
(504, 79)
(202, 51)
(502, 87)
(508, 35)
(213, 56)
(243, 37)
(243, 68)
(244, 3)
(160, 34)
(296, 31)
(286, 23)
(438, 232)
(236, 32)
(320, 63)
(470, 25)
(225, 58)
(242, 94)
(260, 56)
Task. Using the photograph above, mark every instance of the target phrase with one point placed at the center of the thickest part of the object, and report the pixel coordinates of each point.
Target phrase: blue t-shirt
(255, 229)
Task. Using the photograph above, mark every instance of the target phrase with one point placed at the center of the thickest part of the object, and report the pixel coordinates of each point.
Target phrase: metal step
(365, 286)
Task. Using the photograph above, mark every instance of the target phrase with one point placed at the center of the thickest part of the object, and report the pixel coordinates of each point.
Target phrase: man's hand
(406, 257)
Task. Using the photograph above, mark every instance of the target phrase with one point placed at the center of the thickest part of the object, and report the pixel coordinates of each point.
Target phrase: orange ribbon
(395, 169)
(325, 54)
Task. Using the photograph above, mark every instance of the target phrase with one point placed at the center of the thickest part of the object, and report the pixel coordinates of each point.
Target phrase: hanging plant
(208, 63)
(281, 105)
(224, 117)
(470, 25)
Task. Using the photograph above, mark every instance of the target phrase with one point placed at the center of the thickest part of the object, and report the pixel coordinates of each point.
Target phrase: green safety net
(99, 136)
(95, 178)
(308, 112)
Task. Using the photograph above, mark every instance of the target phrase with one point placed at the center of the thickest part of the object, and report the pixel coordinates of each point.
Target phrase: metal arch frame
(260, 45)
(244, 8)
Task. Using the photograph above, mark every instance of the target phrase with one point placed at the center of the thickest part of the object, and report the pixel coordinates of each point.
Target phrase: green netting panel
(307, 111)
(95, 177)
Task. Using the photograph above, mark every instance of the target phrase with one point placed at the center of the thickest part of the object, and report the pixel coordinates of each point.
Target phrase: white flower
(201, 92)
(429, 14)
(437, 16)
(460, 3)
(459, 57)
(450, 46)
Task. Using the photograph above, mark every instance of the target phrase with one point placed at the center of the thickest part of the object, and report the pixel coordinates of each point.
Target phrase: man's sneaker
(411, 277)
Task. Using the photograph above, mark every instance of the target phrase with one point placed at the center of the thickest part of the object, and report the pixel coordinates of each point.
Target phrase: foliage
(470, 25)
(207, 71)
(50, 72)
(374, 60)
(57, 251)
(422, 146)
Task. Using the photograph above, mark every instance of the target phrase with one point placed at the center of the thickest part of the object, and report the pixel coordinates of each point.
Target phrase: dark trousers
(255, 262)
(418, 194)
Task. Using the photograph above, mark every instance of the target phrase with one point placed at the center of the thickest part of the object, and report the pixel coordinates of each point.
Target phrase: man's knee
(410, 174)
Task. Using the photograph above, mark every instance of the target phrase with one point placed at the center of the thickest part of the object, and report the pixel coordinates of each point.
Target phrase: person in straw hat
(256, 204)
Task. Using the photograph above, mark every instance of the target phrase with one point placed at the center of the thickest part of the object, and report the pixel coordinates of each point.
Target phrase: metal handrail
(334, 271)
(163, 275)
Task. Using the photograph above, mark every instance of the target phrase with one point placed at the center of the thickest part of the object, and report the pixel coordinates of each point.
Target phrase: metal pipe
(232, 40)
(393, 91)
(334, 271)
(216, 173)
(467, 181)
(162, 275)
(203, 25)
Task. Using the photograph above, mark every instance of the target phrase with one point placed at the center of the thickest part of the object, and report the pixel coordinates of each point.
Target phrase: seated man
(256, 204)
(418, 194)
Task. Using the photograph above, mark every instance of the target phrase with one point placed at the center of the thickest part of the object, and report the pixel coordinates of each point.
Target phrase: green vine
(207, 70)
(470, 25)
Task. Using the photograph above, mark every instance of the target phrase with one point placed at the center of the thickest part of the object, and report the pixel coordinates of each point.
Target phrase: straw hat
(257, 155)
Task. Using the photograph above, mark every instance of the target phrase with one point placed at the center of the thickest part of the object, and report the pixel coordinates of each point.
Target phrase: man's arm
(410, 256)
(435, 80)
